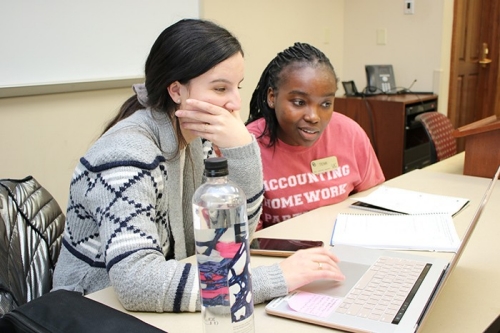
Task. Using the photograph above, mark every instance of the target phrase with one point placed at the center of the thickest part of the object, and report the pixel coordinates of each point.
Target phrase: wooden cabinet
(401, 143)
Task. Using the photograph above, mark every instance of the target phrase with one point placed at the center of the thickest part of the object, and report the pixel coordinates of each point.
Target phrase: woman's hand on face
(223, 128)
(309, 265)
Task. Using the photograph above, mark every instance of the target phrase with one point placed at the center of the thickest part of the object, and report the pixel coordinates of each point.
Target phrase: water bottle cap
(216, 167)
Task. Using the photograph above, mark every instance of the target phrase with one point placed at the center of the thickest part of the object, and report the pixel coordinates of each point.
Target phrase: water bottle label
(224, 272)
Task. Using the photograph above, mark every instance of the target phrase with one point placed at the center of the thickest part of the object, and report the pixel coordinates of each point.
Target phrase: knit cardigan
(129, 217)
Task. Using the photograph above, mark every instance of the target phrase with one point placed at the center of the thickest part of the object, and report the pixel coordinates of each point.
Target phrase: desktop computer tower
(418, 147)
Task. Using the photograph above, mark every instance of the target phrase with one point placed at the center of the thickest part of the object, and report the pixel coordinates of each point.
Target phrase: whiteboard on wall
(59, 45)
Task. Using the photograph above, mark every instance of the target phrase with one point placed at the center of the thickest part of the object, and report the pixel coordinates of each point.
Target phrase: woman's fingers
(306, 266)
(201, 111)
(222, 127)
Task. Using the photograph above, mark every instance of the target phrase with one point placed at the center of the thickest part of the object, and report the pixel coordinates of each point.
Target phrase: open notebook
(384, 291)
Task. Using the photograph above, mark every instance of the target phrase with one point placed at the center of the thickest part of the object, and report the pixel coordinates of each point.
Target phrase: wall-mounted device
(409, 7)
(380, 79)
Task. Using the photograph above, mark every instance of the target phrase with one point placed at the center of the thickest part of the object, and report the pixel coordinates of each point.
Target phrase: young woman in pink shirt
(311, 155)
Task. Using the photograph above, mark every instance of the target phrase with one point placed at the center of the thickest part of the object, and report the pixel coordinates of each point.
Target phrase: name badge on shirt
(324, 164)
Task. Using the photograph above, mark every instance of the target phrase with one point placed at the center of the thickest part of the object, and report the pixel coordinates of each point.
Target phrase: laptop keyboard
(385, 291)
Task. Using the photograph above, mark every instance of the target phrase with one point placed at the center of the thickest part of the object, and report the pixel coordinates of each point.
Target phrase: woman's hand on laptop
(309, 265)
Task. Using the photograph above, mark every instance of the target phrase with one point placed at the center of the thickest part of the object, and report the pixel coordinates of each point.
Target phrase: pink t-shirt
(291, 187)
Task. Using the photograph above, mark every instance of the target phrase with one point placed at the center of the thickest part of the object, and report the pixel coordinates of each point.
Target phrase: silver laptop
(384, 291)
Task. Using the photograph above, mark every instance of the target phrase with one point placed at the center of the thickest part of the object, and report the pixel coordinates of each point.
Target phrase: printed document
(423, 232)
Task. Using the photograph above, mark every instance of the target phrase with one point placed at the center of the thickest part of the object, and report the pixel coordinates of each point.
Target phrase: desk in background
(468, 302)
(400, 142)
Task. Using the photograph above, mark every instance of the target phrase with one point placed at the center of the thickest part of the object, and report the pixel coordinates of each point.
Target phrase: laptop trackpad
(352, 271)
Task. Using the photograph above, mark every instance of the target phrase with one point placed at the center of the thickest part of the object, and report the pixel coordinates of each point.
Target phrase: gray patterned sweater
(129, 217)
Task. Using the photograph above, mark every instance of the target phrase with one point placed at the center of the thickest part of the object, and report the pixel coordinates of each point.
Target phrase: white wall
(44, 136)
(418, 46)
(266, 27)
(413, 41)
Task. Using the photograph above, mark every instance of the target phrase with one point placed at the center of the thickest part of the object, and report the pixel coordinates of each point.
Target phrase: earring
(178, 101)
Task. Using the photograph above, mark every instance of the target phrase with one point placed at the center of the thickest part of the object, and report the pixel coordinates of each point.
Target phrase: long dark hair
(272, 77)
(183, 51)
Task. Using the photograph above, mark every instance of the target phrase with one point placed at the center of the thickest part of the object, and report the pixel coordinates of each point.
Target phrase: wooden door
(474, 88)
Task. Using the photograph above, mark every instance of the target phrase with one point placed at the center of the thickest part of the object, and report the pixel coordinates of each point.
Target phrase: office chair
(31, 230)
(439, 129)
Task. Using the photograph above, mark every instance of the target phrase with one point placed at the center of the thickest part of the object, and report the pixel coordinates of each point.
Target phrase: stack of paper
(423, 232)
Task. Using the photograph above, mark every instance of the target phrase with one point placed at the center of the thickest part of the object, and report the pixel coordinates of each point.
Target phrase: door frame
(487, 92)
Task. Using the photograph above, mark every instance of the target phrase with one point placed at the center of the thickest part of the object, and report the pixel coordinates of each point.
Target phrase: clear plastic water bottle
(222, 252)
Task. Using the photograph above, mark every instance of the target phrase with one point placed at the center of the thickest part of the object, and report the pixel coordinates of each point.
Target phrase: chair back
(31, 230)
(440, 131)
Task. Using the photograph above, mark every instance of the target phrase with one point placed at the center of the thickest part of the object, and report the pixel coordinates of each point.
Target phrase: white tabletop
(454, 164)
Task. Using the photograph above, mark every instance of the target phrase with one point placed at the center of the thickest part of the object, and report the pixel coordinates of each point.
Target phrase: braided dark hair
(272, 77)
